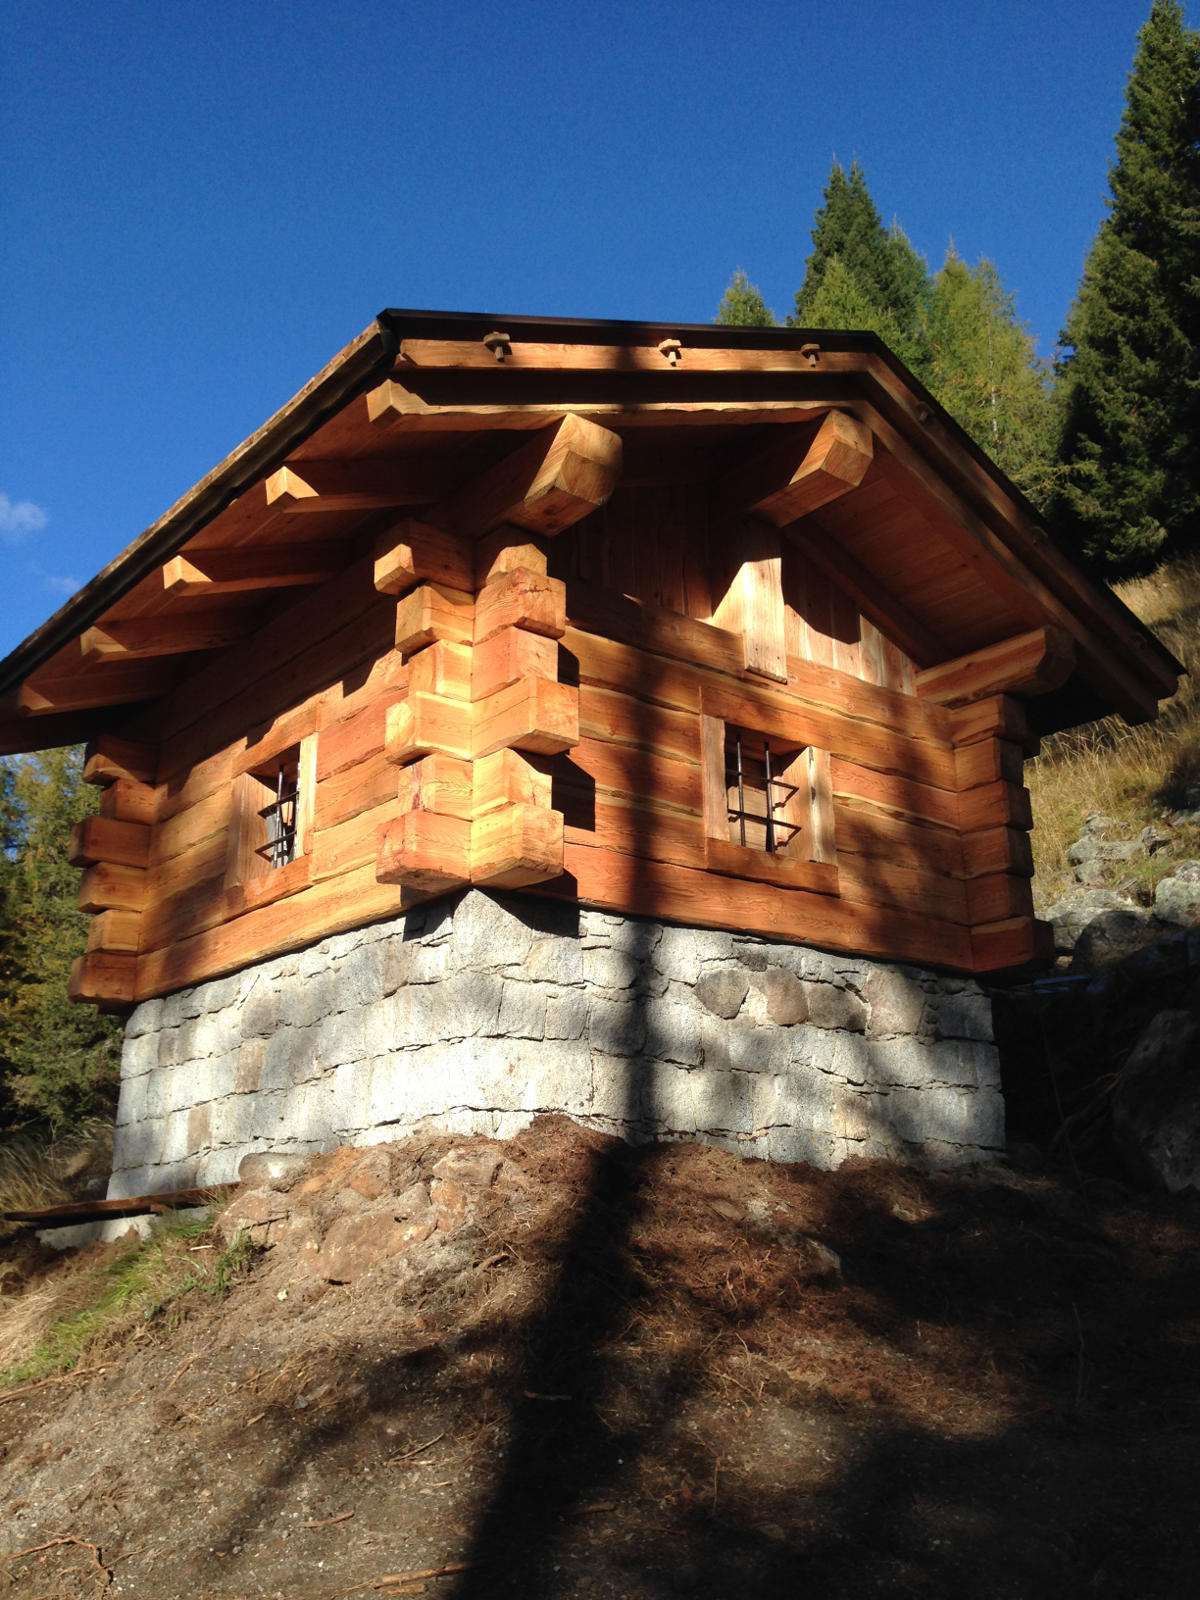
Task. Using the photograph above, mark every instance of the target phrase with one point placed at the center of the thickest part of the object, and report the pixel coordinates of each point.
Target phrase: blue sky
(200, 204)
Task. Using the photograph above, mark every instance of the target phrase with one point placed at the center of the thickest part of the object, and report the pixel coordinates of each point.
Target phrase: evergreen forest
(1104, 440)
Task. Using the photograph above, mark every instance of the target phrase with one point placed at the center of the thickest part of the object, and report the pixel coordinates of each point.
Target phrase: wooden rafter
(248, 568)
(364, 485)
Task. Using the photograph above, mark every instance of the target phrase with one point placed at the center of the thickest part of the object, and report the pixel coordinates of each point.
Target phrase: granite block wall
(475, 1013)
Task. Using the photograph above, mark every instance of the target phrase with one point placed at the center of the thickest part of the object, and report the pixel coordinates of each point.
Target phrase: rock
(835, 1008)
(1187, 871)
(786, 1001)
(355, 1244)
(475, 1168)
(1071, 915)
(1155, 838)
(723, 991)
(1177, 900)
(1112, 936)
(271, 1169)
(371, 1175)
(1156, 1103)
(1092, 849)
(1096, 822)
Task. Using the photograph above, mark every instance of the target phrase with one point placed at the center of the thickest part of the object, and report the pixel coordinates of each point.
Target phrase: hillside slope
(584, 1370)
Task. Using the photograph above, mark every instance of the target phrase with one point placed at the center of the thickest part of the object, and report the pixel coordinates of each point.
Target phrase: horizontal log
(1030, 663)
(124, 844)
(997, 850)
(433, 612)
(425, 850)
(356, 789)
(118, 932)
(341, 903)
(353, 843)
(516, 846)
(208, 907)
(895, 795)
(800, 721)
(998, 898)
(521, 599)
(507, 657)
(633, 773)
(104, 887)
(108, 758)
(530, 715)
(995, 805)
(994, 717)
(506, 778)
(737, 861)
(125, 800)
(612, 882)
(103, 978)
(798, 473)
(870, 880)
(633, 828)
(353, 740)
(422, 724)
(1014, 942)
(989, 761)
(621, 719)
(413, 552)
(439, 783)
(868, 831)
(240, 569)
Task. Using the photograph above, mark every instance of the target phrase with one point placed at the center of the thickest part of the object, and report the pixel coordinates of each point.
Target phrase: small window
(768, 809)
(766, 793)
(271, 814)
(280, 813)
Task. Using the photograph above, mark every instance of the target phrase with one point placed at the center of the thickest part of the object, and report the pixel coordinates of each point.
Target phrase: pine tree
(983, 367)
(1129, 386)
(742, 306)
(880, 278)
(58, 1061)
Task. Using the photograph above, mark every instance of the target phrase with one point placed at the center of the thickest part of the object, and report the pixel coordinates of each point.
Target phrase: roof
(934, 544)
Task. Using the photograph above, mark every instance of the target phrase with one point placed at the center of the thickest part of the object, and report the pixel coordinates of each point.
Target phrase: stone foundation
(475, 1014)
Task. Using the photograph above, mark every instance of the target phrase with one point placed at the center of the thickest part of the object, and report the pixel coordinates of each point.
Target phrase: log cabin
(609, 718)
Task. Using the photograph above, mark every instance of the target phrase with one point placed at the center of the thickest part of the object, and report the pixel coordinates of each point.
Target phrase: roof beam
(553, 480)
(167, 634)
(364, 485)
(797, 474)
(1031, 663)
(246, 568)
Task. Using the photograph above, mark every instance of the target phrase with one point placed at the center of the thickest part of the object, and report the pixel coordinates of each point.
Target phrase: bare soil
(570, 1368)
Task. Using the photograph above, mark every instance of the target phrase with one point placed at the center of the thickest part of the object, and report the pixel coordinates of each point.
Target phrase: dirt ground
(570, 1368)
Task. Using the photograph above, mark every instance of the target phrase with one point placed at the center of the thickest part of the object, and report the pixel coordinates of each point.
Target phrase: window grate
(761, 796)
(280, 818)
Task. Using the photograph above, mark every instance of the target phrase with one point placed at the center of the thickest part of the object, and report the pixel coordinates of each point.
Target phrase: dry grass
(37, 1172)
(1132, 774)
(96, 1301)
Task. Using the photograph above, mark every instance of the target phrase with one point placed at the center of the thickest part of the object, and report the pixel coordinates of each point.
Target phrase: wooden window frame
(252, 787)
(811, 861)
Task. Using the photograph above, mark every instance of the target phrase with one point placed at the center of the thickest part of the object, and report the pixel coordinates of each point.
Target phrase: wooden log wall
(508, 694)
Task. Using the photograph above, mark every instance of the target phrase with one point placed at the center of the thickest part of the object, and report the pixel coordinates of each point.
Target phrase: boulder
(1113, 935)
(1177, 899)
(1071, 915)
(1156, 1103)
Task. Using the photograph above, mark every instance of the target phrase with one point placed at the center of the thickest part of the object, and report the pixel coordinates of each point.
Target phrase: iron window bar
(280, 818)
(740, 773)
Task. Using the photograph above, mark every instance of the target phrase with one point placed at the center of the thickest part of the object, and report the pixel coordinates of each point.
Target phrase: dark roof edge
(361, 364)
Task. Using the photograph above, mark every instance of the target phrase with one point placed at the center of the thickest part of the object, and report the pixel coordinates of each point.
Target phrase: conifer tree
(58, 1061)
(742, 306)
(983, 367)
(881, 279)
(1129, 385)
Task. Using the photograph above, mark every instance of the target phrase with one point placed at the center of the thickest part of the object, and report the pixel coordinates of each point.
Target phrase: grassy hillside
(1132, 774)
